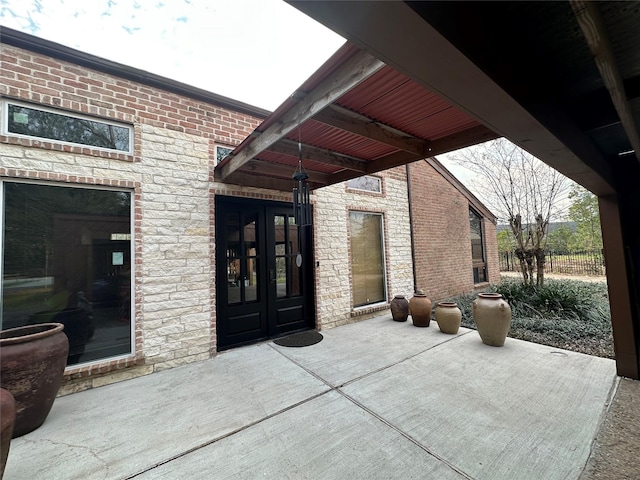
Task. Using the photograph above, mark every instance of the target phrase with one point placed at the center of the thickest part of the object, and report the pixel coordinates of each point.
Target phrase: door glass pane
(281, 276)
(233, 235)
(67, 259)
(250, 238)
(250, 281)
(367, 258)
(233, 280)
(280, 227)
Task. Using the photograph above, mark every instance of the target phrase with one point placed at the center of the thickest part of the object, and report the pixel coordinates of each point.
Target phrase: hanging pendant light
(301, 194)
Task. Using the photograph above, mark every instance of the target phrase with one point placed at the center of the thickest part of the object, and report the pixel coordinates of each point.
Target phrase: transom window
(367, 258)
(221, 153)
(366, 183)
(32, 121)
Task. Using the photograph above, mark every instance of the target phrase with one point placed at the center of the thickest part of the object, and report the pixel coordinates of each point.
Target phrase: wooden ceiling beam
(259, 181)
(259, 167)
(351, 73)
(320, 155)
(472, 136)
(344, 119)
(588, 16)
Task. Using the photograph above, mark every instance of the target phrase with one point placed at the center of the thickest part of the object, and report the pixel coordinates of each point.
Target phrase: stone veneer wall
(171, 176)
(332, 255)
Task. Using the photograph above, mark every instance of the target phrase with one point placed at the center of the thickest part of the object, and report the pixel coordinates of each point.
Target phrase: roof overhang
(559, 79)
(355, 116)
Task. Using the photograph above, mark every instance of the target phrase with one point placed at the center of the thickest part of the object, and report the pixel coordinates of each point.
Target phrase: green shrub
(568, 314)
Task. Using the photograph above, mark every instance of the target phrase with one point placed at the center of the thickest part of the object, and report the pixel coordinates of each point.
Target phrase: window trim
(383, 250)
(66, 113)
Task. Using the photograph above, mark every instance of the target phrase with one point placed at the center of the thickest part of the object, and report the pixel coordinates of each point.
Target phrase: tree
(506, 242)
(584, 211)
(522, 191)
(560, 239)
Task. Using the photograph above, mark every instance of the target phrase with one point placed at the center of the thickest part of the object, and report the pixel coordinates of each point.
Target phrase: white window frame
(33, 106)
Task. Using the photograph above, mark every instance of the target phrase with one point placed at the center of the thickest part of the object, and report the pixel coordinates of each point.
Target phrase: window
(367, 183)
(31, 121)
(221, 153)
(66, 258)
(477, 248)
(367, 258)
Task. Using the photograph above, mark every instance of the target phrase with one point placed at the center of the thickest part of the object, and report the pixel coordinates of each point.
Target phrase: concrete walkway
(374, 400)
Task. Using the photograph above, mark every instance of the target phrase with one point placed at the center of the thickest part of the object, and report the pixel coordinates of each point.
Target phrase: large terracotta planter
(492, 315)
(7, 420)
(32, 362)
(449, 317)
(420, 308)
(400, 308)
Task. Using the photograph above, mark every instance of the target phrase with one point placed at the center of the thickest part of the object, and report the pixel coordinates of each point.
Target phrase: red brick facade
(441, 234)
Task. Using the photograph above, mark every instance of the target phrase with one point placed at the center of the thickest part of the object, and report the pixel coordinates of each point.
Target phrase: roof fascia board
(352, 72)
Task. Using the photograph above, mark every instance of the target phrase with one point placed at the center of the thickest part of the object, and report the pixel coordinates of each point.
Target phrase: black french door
(263, 272)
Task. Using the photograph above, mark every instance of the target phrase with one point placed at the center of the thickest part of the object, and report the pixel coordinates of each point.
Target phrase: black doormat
(303, 339)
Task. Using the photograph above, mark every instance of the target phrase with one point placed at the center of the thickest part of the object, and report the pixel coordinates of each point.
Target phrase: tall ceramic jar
(32, 363)
(400, 308)
(7, 419)
(420, 309)
(492, 315)
(448, 316)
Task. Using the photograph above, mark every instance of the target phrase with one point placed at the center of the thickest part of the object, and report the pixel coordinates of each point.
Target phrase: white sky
(254, 51)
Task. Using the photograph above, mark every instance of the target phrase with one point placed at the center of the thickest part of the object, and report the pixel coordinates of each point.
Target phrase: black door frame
(269, 316)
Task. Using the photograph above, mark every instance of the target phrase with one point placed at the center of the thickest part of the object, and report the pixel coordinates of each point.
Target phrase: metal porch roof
(354, 116)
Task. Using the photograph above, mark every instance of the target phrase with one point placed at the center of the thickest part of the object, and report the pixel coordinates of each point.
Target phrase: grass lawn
(567, 314)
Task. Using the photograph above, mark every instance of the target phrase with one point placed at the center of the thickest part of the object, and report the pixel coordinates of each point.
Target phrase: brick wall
(442, 235)
(169, 173)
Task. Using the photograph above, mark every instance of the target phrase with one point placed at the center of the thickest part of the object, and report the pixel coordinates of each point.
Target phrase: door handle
(272, 275)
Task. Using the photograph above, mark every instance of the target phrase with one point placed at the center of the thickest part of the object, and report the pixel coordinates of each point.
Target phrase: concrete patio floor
(374, 399)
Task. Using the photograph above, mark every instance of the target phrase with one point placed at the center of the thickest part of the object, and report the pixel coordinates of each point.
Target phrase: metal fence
(589, 262)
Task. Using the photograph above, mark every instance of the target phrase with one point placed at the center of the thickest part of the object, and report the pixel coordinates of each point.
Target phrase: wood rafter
(352, 72)
(590, 21)
(257, 167)
(289, 147)
(260, 181)
(456, 141)
(353, 122)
